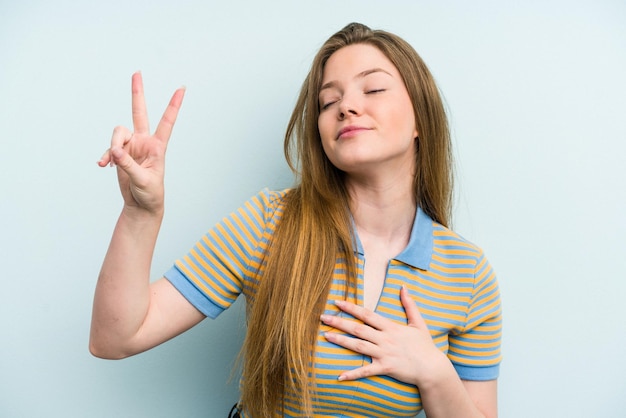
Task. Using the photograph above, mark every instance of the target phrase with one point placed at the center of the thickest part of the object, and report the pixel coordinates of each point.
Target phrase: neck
(383, 207)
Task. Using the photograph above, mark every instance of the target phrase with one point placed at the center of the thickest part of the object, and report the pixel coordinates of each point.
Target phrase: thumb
(412, 311)
(125, 162)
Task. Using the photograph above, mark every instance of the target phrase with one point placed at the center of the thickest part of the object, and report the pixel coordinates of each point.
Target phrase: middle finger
(354, 328)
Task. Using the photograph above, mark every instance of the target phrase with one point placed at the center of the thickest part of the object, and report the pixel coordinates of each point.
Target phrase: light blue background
(537, 99)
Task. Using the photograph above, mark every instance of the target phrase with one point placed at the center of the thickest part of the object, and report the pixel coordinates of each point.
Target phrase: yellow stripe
(234, 246)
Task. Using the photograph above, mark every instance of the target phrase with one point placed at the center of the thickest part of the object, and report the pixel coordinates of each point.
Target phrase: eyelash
(327, 105)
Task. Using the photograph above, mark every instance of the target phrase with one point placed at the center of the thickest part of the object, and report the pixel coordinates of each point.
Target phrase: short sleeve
(475, 352)
(212, 275)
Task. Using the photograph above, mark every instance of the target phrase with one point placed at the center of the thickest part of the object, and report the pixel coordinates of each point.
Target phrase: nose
(348, 106)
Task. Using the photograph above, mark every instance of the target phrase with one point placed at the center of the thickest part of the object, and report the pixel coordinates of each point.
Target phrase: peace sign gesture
(140, 156)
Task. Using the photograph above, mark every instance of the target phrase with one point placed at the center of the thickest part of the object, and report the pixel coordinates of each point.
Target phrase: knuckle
(119, 133)
(169, 120)
(119, 129)
(368, 316)
(125, 162)
(362, 373)
(358, 330)
(386, 370)
(360, 345)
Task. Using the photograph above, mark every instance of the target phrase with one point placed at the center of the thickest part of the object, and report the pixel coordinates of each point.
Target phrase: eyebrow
(362, 74)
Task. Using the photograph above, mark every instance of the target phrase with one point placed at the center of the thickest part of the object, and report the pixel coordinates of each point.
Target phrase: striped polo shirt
(449, 279)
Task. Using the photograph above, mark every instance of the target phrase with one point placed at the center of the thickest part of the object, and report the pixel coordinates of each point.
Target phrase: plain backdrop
(536, 94)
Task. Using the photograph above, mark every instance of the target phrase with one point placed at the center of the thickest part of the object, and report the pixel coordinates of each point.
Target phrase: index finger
(365, 315)
(166, 124)
(140, 113)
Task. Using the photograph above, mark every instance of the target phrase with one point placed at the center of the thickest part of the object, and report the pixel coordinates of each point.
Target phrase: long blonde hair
(315, 228)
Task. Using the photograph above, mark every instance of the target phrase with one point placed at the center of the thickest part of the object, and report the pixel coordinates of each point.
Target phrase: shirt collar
(419, 251)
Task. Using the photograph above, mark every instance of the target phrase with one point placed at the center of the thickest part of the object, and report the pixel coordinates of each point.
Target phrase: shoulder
(267, 201)
(271, 198)
(452, 249)
(264, 209)
(452, 242)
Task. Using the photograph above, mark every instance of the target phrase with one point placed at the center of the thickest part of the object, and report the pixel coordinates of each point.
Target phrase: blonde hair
(315, 228)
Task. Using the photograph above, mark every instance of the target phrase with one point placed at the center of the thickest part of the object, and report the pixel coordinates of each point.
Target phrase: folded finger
(127, 164)
(105, 159)
(121, 136)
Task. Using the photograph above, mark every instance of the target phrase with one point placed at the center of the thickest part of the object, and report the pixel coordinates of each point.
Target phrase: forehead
(352, 60)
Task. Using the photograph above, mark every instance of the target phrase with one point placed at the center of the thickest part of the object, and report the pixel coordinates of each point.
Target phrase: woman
(360, 301)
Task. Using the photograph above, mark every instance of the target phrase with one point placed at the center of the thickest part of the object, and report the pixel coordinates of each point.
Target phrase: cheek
(327, 147)
(325, 129)
(413, 127)
(405, 118)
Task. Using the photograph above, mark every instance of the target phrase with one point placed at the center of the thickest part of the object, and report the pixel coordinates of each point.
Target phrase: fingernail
(324, 317)
(341, 377)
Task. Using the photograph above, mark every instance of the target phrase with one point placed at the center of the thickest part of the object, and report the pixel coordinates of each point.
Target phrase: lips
(350, 131)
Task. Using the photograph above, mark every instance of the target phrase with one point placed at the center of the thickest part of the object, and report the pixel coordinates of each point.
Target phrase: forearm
(445, 396)
(122, 296)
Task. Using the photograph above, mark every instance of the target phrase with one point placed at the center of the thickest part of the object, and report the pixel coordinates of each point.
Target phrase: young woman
(360, 300)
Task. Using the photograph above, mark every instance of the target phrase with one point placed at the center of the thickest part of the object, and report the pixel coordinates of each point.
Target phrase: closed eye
(327, 105)
(375, 91)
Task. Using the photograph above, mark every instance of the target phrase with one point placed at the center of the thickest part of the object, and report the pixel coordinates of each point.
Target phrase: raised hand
(404, 352)
(140, 156)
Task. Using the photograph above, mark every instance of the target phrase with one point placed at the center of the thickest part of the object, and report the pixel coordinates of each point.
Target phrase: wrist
(140, 223)
(440, 373)
(139, 214)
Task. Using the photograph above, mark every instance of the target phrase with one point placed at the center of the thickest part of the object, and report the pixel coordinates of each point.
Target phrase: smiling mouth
(350, 131)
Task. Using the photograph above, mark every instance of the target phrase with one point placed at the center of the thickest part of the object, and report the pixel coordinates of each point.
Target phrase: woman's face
(366, 119)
